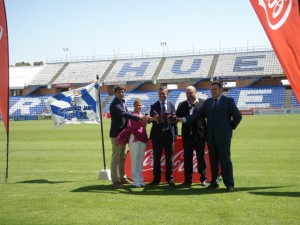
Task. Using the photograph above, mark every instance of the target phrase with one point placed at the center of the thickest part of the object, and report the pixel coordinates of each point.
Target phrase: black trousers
(189, 146)
(164, 142)
(219, 153)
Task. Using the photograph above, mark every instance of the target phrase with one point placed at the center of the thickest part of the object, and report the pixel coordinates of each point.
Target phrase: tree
(22, 64)
(38, 63)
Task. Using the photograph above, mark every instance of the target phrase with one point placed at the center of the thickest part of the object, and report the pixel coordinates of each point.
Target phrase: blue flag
(75, 106)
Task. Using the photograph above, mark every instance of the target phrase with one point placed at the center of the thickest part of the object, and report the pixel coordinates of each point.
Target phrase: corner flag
(4, 81)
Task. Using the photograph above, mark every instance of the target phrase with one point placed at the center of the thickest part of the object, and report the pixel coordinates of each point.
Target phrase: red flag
(4, 81)
(281, 22)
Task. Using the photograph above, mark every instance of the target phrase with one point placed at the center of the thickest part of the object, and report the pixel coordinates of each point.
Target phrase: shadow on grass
(173, 190)
(41, 181)
(278, 194)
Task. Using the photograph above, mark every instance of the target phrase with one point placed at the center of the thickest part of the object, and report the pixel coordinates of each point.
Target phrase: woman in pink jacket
(135, 135)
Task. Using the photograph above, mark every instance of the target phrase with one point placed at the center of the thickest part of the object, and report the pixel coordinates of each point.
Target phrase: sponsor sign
(178, 170)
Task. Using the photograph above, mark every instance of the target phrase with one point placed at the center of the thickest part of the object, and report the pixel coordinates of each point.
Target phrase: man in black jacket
(193, 137)
(163, 135)
(222, 116)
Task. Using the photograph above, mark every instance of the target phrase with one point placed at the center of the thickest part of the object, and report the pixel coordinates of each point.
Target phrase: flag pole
(101, 122)
(7, 147)
(104, 174)
(7, 118)
(7, 136)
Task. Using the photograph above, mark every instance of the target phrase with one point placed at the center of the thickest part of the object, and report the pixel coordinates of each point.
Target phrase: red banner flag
(4, 81)
(281, 22)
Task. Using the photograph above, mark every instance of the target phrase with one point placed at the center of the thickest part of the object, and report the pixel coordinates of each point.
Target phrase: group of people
(210, 121)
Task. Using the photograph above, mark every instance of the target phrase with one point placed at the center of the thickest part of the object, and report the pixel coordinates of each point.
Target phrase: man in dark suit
(163, 134)
(119, 116)
(222, 116)
(193, 137)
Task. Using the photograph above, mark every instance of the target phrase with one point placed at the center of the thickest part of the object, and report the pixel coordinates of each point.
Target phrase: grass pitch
(53, 179)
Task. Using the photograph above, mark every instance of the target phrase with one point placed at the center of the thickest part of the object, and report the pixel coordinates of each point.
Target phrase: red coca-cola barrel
(178, 170)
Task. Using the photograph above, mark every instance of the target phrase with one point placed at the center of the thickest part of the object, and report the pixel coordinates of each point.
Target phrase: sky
(41, 30)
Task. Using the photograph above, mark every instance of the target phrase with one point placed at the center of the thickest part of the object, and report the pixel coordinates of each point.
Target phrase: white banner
(75, 106)
(276, 111)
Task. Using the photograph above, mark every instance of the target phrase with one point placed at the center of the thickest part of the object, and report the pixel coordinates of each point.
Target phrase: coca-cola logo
(148, 160)
(277, 11)
(178, 161)
(178, 168)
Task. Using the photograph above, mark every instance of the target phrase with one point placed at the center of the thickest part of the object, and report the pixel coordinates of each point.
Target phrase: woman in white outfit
(135, 135)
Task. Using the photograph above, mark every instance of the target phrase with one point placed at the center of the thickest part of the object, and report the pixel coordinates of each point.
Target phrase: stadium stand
(248, 64)
(258, 97)
(82, 72)
(235, 65)
(254, 93)
(46, 74)
(189, 67)
(133, 70)
(245, 98)
(19, 76)
(24, 106)
(294, 102)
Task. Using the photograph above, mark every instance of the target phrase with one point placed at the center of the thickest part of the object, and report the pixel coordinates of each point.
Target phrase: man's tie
(215, 106)
(123, 104)
(191, 108)
(166, 125)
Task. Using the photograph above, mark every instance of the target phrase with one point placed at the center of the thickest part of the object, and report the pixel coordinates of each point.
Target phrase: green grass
(53, 179)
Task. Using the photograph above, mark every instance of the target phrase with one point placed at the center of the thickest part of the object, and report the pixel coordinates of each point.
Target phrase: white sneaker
(204, 183)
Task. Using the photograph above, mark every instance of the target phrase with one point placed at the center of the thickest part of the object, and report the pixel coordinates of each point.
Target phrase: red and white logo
(178, 165)
(281, 22)
(277, 11)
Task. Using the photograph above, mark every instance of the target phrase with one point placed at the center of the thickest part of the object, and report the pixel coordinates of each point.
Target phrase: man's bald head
(191, 94)
(191, 88)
